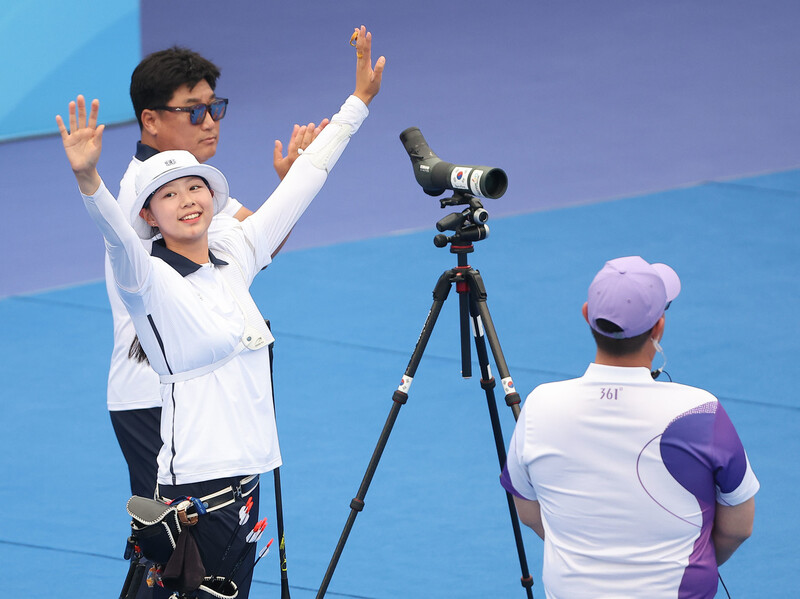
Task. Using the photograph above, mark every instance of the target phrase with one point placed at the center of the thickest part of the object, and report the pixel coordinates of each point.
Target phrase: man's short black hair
(618, 347)
(156, 78)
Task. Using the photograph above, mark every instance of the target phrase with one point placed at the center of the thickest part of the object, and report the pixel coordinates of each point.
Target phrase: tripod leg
(479, 311)
(463, 313)
(399, 397)
(478, 294)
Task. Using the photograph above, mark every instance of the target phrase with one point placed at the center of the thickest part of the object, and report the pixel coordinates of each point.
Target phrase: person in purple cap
(639, 488)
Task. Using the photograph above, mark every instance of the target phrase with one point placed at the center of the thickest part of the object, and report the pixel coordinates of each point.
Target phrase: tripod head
(467, 225)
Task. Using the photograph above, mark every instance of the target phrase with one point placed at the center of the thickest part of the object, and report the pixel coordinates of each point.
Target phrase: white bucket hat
(167, 166)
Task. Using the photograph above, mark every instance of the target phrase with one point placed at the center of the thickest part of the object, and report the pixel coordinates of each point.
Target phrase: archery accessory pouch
(156, 527)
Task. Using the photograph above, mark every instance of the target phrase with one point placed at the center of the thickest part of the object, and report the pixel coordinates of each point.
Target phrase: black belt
(188, 510)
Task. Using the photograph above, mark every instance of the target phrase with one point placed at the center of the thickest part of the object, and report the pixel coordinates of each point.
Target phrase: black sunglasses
(197, 113)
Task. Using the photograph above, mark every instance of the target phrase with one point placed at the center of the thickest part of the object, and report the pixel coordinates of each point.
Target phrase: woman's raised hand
(368, 80)
(83, 143)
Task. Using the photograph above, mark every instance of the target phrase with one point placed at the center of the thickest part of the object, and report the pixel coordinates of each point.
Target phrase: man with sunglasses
(173, 95)
(639, 488)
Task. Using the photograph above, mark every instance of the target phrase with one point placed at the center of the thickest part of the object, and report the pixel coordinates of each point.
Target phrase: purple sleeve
(729, 453)
(703, 452)
(505, 481)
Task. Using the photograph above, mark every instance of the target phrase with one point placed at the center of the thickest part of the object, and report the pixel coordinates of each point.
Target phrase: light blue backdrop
(53, 50)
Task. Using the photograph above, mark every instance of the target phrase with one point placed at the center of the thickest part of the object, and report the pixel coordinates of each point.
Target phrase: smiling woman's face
(182, 210)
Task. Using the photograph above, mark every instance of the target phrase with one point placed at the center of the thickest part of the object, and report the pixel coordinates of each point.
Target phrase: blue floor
(346, 318)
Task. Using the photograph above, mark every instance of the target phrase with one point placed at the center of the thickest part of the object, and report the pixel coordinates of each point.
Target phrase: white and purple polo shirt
(627, 472)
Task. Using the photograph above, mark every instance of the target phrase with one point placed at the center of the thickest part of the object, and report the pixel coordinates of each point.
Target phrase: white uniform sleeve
(231, 207)
(273, 221)
(130, 262)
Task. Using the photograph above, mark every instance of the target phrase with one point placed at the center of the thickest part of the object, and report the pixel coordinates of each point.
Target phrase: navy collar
(143, 151)
(182, 264)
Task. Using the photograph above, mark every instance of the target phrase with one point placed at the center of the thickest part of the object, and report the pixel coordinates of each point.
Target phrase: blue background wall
(579, 101)
(51, 49)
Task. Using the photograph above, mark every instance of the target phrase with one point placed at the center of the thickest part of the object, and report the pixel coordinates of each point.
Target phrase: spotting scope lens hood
(435, 175)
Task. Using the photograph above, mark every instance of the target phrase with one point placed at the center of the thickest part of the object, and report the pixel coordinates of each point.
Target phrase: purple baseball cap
(632, 294)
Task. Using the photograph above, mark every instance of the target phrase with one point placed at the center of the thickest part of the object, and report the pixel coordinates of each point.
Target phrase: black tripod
(468, 226)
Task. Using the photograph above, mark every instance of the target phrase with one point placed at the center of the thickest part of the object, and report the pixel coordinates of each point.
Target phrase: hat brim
(216, 180)
(672, 284)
